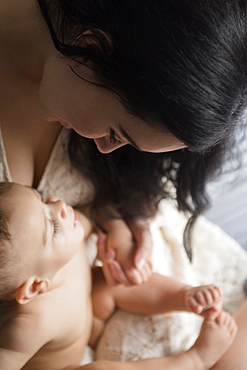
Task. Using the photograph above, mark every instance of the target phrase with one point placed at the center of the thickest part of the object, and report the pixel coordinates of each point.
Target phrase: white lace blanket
(217, 259)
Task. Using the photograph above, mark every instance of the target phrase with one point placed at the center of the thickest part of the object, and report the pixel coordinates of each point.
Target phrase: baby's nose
(62, 208)
(49, 198)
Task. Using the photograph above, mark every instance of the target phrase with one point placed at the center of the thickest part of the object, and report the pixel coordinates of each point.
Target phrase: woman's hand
(125, 251)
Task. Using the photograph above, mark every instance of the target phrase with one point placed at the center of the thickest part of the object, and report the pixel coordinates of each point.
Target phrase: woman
(110, 87)
(160, 76)
(177, 68)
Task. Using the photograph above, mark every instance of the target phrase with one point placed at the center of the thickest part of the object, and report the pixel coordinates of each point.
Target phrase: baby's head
(37, 239)
(7, 255)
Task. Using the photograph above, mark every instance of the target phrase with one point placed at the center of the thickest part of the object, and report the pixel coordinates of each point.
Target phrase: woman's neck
(24, 39)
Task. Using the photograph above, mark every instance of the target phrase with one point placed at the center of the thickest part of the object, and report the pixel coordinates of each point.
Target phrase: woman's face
(95, 112)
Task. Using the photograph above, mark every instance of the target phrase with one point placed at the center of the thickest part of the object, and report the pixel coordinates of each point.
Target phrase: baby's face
(46, 234)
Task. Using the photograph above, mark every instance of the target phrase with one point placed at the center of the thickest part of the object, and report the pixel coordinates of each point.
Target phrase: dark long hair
(183, 64)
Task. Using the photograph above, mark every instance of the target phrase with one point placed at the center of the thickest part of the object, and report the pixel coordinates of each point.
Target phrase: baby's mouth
(75, 219)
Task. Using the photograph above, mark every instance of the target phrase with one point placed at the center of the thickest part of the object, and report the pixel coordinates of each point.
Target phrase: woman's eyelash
(55, 227)
(113, 139)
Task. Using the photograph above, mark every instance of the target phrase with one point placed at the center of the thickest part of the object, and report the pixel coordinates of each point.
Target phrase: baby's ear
(31, 288)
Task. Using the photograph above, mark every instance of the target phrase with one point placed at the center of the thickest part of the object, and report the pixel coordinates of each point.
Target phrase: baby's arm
(162, 294)
(158, 295)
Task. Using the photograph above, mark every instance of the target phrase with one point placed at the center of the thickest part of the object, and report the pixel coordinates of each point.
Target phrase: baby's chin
(79, 230)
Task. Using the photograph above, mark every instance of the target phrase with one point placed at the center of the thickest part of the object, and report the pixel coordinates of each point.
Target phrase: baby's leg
(201, 298)
(217, 334)
(236, 356)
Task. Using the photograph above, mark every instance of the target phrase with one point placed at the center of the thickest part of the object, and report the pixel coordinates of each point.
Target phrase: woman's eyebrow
(127, 137)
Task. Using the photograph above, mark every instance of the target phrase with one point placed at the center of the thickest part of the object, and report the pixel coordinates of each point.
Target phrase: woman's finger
(143, 239)
(118, 273)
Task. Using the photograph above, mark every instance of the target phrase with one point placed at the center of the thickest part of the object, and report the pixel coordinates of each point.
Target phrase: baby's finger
(134, 276)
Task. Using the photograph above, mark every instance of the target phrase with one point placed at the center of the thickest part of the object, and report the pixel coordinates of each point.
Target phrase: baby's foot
(201, 298)
(217, 334)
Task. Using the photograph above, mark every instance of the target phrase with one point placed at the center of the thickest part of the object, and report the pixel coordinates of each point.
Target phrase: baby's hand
(125, 252)
(202, 298)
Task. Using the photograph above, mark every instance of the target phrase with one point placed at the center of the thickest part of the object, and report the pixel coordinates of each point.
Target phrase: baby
(49, 309)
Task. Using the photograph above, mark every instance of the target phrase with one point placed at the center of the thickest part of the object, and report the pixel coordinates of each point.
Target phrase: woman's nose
(105, 146)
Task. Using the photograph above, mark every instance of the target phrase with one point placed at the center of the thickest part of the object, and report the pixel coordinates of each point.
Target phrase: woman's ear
(31, 288)
(95, 39)
(92, 39)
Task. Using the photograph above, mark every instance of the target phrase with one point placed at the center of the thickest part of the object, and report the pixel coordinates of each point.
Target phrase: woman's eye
(113, 139)
(55, 227)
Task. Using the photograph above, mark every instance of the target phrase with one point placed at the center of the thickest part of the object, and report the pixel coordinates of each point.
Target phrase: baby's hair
(4, 217)
(7, 260)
